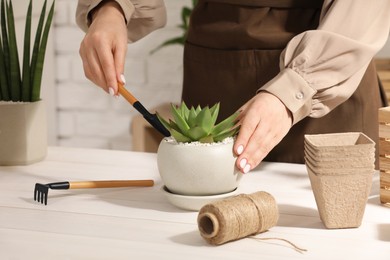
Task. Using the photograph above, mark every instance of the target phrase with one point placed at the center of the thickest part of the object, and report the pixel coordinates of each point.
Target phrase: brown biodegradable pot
(340, 167)
(341, 199)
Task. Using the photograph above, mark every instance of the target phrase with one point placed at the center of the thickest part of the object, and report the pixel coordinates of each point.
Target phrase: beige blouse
(322, 67)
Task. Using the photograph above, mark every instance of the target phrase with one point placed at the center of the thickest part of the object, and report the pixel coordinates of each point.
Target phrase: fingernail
(247, 168)
(111, 91)
(123, 79)
(243, 163)
(240, 149)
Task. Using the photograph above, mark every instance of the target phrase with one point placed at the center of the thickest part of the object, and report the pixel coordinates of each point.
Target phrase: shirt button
(299, 95)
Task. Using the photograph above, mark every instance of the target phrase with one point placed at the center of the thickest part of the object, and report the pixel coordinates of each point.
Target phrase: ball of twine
(237, 217)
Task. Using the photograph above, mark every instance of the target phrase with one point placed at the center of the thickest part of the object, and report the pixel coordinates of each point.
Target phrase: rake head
(40, 193)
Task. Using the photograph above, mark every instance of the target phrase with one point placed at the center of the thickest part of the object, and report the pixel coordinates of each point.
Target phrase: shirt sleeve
(142, 16)
(320, 69)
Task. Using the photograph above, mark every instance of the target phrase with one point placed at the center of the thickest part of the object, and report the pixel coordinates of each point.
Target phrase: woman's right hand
(103, 49)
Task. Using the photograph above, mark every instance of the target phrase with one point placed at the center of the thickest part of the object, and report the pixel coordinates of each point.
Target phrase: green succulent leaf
(184, 110)
(207, 139)
(163, 121)
(198, 124)
(174, 126)
(228, 123)
(191, 117)
(204, 120)
(214, 110)
(179, 137)
(198, 109)
(223, 135)
(179, 120)
(197, 133)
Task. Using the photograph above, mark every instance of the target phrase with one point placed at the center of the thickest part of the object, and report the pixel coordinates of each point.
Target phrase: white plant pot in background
(198, 170)
(23, 132)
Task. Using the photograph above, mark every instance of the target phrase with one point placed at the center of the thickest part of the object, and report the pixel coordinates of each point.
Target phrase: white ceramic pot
(23, 132)
(198, 170)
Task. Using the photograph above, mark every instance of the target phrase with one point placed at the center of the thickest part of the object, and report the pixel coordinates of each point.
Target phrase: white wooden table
(139, 223)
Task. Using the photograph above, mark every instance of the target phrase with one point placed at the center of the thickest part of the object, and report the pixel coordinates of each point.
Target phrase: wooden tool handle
(110, 184)
(126, 94)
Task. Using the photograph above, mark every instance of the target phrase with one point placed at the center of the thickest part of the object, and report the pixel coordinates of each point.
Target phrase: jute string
(241, 216)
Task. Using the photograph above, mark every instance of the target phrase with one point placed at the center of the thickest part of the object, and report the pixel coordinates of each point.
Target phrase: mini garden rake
(41, 190)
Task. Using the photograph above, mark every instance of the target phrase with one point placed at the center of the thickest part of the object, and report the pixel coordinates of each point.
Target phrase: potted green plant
(23, 127)
(198, 159)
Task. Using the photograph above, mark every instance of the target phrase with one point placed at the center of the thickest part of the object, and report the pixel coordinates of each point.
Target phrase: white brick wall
(87, 116)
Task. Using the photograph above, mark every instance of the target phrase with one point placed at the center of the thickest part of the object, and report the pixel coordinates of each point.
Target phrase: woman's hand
(264, 121)
(103, 49)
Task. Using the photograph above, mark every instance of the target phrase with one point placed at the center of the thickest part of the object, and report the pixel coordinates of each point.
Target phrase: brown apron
(233, 48)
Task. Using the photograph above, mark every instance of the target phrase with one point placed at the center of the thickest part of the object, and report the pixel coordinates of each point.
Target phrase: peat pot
(341, 168)
(196, 169)
(23, 132)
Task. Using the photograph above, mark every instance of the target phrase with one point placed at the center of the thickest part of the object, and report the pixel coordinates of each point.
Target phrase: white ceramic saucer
(193, 203)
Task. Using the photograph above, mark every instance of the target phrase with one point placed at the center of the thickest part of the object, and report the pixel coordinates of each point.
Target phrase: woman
(292, 67)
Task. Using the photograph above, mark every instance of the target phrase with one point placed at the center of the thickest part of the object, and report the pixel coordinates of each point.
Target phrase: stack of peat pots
(340, 167)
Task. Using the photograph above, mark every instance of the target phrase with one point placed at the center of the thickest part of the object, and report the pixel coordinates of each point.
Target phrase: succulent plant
(22, 83)
(199, 124)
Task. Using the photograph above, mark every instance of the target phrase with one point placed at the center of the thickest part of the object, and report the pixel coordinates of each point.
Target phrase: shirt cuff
(127, 8)
(293, 91)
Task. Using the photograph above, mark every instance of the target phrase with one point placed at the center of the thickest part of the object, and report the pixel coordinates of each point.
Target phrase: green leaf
(173, 125)
(203, 120)
(197, 133)
(179, 120)
(198, 109)
(3, 79)
(163, 121)
(37, 41)
(179, 137)
(191, 117)
(184, 110)
(230, 133)
(5, 45)
(36, 87)
(228, 123)
(15, 80)
(178, 40)
(207, 139)
(185, 14)
(214, 110)
(26, 86)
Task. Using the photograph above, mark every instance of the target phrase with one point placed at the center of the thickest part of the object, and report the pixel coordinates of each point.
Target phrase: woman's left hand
(264, 121)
